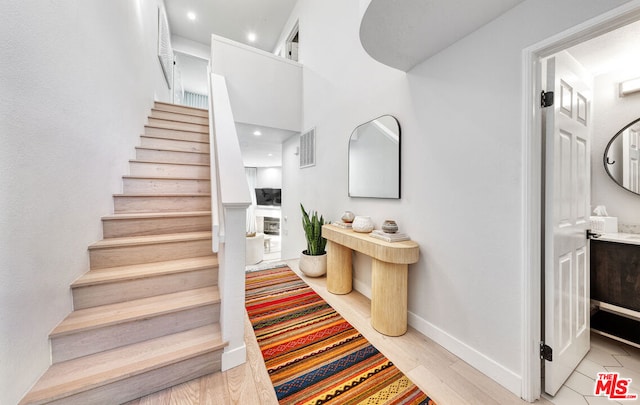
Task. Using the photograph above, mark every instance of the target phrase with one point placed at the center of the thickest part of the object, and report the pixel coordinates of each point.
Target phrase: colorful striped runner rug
(312, 354)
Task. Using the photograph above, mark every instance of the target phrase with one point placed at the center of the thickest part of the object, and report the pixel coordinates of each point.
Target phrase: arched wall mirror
(374, 159)
(622, 157)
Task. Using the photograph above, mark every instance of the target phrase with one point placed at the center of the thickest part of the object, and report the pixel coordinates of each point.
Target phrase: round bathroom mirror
(622, 157)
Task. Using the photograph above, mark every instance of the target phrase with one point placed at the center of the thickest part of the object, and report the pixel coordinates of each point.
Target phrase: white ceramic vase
(362, 224)
(313, 266)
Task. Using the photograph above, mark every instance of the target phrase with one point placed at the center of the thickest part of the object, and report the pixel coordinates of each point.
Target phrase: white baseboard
(233, 358)
(487, 366)
(362, 288)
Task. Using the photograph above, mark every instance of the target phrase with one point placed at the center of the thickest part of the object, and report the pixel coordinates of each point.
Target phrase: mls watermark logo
(611, 385)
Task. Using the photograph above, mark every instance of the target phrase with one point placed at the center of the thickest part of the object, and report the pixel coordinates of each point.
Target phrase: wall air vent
(308, 148)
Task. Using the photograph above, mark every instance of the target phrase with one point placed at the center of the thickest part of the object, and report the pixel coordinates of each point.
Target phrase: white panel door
(567, 210)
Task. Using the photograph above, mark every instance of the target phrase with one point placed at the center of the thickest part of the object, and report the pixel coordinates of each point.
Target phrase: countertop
(628, 238)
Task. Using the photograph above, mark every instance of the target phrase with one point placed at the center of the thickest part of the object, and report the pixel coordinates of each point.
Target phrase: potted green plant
(313, 260)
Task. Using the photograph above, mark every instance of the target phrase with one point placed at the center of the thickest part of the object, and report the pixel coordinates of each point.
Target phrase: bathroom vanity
(615, 286)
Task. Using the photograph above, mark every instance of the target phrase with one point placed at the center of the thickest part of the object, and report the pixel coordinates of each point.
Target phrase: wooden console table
(389, 271)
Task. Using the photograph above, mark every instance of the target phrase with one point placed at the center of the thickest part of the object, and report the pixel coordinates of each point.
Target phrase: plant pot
(313, 266)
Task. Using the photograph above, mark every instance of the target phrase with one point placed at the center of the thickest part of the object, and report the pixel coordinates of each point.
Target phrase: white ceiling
(401, 33)
(264, 150)
(232, 19)
(617, 50)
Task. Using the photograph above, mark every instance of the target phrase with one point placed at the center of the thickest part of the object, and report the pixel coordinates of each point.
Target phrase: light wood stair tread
(163, 195)
(157, 162)
(78, 375)
(168, 149)
(193, 113)
(159, 122)
(182, 116)
(150, 239)
(152, 215)
(137, 271)
(159, 104)
(173, 128)
(143, 308)
(172, 139)
(163, 178)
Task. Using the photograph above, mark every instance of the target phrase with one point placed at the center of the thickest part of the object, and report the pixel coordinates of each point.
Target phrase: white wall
(189, 47)
(264, 89)
(193, 71)
(461, 118)
(611, 114)
(78, 79)
(269, 177)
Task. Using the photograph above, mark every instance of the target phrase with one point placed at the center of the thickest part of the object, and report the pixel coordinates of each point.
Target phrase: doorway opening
(572, 40)
(190, 81)
(293, 43)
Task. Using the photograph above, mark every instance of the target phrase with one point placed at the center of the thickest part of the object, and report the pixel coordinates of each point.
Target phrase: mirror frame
(606, 152)
(399, 190)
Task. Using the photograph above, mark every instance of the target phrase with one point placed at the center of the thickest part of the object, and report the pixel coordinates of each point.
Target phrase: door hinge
(546, 99)
(546, 353)
(592, 235)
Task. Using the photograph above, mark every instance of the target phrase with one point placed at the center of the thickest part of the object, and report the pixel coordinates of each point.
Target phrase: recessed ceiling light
(191, 15)
(270, 154)
(257, 133)
(252, 37)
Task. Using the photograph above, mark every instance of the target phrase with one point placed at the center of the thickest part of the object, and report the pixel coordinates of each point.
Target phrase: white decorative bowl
(362, 224)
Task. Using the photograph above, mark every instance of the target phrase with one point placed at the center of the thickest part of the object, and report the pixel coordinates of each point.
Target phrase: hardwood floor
(248, 383)
(443, 376)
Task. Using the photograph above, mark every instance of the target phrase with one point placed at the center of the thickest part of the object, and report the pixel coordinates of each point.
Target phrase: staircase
(146, 314)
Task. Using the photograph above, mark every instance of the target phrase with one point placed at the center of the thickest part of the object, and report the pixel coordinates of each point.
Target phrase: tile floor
(272, 249)
(271, 254)
(605, 355)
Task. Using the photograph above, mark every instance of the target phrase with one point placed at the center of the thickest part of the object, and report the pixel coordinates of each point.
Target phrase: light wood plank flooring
(248, 383)
(443, 376)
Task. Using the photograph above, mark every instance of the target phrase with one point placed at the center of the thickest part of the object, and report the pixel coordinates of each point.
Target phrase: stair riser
(126, 204)
(178, 125)
(80, 344)
(181, 109)
(144, 384)
(116, 228)
(125, 255)
(175, 134)
(166, 115)
(172, 156)
(169, 170)
(166, 186)
(184, 146)
(111, 293)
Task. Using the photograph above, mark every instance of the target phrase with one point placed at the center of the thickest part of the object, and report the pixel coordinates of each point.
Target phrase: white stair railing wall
(230, 198)
(254, 78)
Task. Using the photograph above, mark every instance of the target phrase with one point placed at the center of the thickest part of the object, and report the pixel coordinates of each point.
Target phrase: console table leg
(389, 297)
(339, 271)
